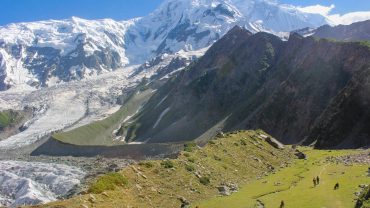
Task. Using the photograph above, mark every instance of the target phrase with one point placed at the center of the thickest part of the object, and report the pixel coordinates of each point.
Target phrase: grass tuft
(167, 164)
(108, 182)
(189, 147)
(190, 168)
(205, 180)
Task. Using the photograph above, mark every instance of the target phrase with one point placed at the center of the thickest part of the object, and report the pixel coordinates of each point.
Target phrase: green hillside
(237, 158)
(294, 185)
(264, 174)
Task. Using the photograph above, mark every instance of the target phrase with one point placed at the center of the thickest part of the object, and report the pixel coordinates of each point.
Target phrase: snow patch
(161, 116)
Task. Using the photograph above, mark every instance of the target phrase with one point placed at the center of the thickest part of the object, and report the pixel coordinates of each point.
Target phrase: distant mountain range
(40, 54)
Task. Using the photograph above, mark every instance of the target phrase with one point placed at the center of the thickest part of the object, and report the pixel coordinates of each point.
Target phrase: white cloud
(317, 9)
(336, 19)
(350, 18)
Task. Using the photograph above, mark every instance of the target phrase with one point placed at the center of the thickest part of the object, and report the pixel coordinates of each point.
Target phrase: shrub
(189, 147)
(364, 199)
(191, 160)
(217, 158)
(211, 142)
(167, 164)
(242, 142)
(186, 154)
(108, 182)
(190, 168)
(146, 164)
(204, 180)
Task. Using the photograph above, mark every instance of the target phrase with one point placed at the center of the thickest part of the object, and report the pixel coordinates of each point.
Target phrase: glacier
(33, 183)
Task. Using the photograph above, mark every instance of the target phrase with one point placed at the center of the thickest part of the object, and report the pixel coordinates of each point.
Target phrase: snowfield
(33, 183)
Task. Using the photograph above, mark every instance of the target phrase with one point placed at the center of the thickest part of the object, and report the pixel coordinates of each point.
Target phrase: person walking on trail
(317, 180)
(314, 182)
(282, 204)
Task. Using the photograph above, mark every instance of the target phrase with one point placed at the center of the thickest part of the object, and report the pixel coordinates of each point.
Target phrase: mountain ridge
(263, 82)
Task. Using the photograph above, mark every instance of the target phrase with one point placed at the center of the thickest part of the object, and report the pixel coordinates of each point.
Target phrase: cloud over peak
(336, 19)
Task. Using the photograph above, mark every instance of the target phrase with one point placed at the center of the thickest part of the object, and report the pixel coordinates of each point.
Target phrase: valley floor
(294, 184)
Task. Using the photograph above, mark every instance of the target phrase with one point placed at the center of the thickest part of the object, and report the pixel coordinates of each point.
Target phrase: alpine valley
(200, 98)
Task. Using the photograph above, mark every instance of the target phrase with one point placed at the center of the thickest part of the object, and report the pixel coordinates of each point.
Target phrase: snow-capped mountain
(41, 53)
(44, 53)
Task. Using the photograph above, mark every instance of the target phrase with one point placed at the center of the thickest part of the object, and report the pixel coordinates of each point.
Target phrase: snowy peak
(65, 34)
(194, 24)
(45, 53)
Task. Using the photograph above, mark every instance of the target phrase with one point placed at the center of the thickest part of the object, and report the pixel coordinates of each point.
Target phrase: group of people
(316, 182)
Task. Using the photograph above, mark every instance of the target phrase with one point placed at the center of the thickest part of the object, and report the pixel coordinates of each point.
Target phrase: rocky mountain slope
(246, 81)
(46, 53)
(355, 32)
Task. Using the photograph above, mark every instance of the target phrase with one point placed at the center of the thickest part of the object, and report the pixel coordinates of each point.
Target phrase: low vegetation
(205, 180)
(108, 182)
(264, 174)
(364, 199)
(167, 164)
(190, 146)
(194, 175)
(9, 117)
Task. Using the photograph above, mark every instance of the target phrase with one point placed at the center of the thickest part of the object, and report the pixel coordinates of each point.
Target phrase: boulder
(275, 143)
(233, 187)
(300, 155)
(184, 203)
(92, 198)
(224, 190)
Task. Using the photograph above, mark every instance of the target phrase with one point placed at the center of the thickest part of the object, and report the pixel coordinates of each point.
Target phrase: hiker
(282, 204)
(314, 182)
(317, 180)
(336, 186)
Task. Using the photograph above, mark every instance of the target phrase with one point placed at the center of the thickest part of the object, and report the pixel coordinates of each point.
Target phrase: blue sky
(33, 10)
